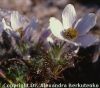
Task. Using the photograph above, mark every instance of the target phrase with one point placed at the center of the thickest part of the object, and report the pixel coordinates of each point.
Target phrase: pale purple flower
(1, 28)
(44, 35)
(20, 26)
(72, 31)
(28, 31)
(16, 24)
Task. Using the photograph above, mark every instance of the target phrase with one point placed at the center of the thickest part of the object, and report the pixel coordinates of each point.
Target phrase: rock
(21, 5)
(41, 11)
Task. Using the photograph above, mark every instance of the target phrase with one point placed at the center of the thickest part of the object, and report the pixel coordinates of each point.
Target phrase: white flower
(49, 39)
(19, 25)
(73, 31)
(16, 21)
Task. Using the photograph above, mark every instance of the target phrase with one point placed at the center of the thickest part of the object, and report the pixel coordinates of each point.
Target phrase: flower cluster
(55, 50)
(19, 26)
(71, 30)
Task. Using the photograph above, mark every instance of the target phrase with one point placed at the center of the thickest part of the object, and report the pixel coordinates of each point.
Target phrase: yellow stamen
(70, 33)
(20, 31)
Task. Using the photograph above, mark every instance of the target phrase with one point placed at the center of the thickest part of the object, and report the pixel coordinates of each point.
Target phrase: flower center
(70, 33)
(20, 31)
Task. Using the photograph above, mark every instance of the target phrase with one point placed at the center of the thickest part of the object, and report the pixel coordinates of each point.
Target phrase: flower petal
(28, 31)
(49, 39)
(16, 20)
(56, 27)
(68, 16)
(34, 23)
(1, 27)
(5, 26)
(44, 35)
(28, 34)
(86, 40)
(86, 23)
